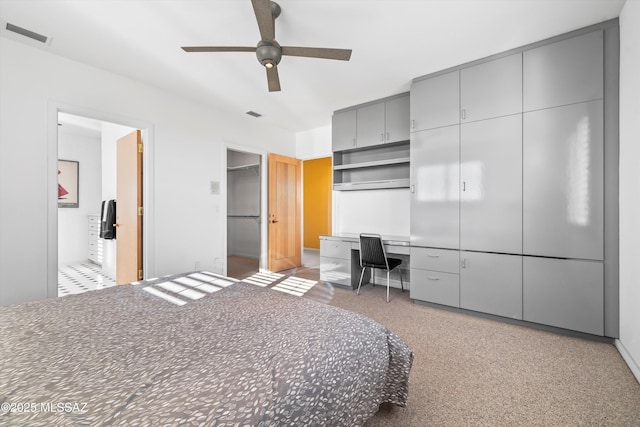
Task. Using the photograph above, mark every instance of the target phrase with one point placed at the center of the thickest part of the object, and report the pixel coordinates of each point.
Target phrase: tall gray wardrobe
(514, 192)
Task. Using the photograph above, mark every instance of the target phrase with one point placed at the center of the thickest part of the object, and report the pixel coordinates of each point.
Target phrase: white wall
(187, 152)
(629, 343)
(73, 238)
(314, 143)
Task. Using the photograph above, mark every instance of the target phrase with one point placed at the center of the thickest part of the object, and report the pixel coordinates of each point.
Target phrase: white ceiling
(393, 41)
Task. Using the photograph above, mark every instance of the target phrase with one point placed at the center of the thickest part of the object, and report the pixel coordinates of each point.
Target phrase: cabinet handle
(464, 186)
(413, 188)
(463, 263)
(413, 124)
(387, 136)
(433, 278)
(354, 142)
(464, 114)
(382, 136)
(433, 256)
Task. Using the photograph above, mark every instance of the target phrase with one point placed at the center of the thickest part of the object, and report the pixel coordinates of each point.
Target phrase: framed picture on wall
(68, 183)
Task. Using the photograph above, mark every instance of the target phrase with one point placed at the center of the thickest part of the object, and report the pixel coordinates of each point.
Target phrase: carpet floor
(471, 371)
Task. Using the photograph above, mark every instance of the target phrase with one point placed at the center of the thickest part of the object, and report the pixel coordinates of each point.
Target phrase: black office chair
(372, 255)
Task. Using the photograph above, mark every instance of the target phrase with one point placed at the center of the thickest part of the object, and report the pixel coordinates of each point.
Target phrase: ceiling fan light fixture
(269, 53)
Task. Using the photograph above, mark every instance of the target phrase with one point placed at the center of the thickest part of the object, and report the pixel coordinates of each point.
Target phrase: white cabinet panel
(564, 293)
(435, 167)
(435, 102)
(563, 213)
(491, 283)
(491, 193)
(564, 72)
(491, 89)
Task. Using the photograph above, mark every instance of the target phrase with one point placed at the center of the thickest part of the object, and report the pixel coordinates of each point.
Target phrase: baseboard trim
(635, 368)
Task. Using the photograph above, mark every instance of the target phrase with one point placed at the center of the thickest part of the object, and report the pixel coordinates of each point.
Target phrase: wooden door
(129, 208)
(284, 212)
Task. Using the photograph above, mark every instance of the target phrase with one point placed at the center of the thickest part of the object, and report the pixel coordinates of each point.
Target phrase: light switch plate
(214, 187)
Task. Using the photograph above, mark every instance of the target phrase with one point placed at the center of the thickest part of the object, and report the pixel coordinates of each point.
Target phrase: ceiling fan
(268, 51)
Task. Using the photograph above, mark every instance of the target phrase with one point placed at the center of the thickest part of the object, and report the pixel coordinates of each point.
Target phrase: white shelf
(387, 162)
(371, 185)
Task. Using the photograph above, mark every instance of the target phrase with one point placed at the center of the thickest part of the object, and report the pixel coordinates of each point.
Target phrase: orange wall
(317, 200)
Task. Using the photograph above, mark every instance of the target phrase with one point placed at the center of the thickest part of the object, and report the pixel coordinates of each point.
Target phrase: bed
(195, 349)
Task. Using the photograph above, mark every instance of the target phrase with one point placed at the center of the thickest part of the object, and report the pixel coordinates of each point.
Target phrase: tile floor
(77, 278)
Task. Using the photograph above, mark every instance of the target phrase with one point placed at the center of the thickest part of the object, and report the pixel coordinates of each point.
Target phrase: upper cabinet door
(370, 125)
(435, 102)
(397, 119)
(343, 130)
(435, 179)
(491, 188)
(564, 72)
(563, 181)
(492, 89)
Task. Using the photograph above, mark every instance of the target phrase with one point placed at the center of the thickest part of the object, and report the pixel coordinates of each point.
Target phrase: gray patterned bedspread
(233, 354)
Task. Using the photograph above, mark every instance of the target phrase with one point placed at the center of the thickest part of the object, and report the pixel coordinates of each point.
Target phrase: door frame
(264, 191)
(52, 176)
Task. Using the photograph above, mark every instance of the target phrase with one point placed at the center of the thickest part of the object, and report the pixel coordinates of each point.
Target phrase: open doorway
(244, 200)
(85, 260)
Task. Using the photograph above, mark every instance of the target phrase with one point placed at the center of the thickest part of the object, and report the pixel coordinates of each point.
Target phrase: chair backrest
(372, 252)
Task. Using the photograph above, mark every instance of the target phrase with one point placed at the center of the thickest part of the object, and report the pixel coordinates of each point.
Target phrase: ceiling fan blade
(218, 49)
(317, 52)
(264, 16)
(273, 79)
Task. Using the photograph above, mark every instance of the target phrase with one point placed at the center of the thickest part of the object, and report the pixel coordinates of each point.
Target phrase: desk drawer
(335, 249)
(444, 260)
(335, 270)
(436, 287)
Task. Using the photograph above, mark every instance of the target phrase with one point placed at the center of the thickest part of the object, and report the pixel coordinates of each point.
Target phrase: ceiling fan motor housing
(269, 52)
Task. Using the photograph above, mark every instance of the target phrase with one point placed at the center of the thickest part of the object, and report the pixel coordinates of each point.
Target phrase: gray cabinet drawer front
(435, 259)
(335, 249)
(335, 270)
(564, 293)
(436, 287)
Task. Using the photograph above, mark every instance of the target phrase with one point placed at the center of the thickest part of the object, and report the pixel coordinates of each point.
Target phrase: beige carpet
(470, 371)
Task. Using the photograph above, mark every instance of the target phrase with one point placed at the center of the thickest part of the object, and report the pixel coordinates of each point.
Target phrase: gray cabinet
(435, 101)
(435, 276)
(563, 212)
(491, 283)
(564, 72)
(564, 293)
(343, 130)
(397, 119)
(435, 183)
(383, 122)
(370, 125)
(491, 185)
(491, 89)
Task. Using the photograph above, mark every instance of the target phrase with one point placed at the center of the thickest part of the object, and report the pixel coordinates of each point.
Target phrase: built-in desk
(340, 258)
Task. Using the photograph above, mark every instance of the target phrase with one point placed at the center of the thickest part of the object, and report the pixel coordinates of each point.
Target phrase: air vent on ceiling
(254, 114)
(26, 33)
